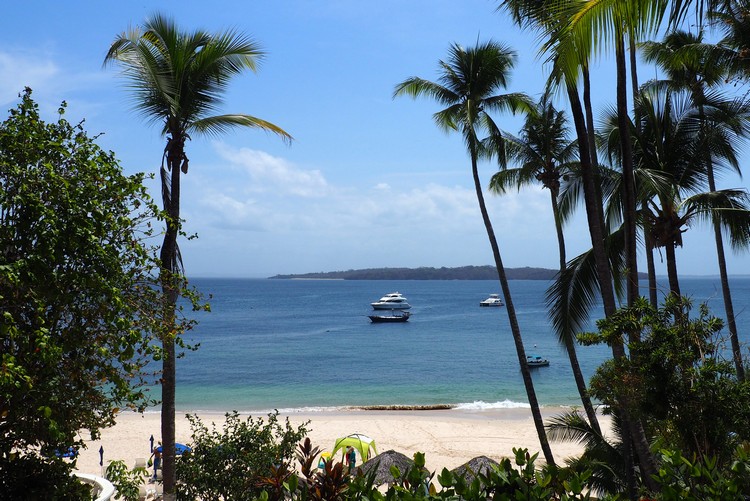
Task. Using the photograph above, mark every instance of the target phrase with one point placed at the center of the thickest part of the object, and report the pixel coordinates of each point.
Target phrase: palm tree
(670, 142)
(546, 155)
(697, 67)
(468, 81)
(571, 30)
(732, 18)
(549, 18)
(178, 79)
(592, 24)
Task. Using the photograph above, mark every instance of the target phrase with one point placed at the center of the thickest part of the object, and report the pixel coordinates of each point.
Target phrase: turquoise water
(308, 344)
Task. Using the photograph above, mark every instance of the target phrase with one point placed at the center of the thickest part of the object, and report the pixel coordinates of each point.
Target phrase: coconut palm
(549, 18)
(574, 33)
(545, 155)
(177, 79)
(592, 25)
(732, 18)
(698, 67)
(670, 143)
(468, 82)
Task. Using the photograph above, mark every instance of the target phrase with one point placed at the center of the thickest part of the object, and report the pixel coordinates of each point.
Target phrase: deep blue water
(292, 344)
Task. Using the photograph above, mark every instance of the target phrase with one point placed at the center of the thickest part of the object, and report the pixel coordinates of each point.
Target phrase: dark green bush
(31, 477)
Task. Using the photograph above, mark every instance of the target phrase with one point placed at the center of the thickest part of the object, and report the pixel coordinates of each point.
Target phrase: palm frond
(730, 209)
(221, 123)
(419, 87)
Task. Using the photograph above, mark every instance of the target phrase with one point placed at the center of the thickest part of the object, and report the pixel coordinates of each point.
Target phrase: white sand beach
(449, 438)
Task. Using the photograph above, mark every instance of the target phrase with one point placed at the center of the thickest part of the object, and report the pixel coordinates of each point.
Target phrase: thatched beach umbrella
(473, 467)
(381, 465)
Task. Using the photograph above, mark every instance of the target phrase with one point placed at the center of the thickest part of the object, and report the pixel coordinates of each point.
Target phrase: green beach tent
(360, 443)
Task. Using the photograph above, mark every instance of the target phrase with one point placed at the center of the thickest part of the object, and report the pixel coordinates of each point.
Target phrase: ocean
(307, 345)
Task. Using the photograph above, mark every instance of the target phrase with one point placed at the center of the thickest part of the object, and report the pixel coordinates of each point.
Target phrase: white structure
(101, 487)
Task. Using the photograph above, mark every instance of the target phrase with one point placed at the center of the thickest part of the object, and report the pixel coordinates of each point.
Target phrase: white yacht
(391, 301)
(493, 300)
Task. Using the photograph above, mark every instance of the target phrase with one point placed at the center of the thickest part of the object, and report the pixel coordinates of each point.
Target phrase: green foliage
(517, 479)
(77, 291)
(686, 479)
(332, 481)
(233, 463)
(676, 377)
(603, 459)
(127, 482)
(30, 477)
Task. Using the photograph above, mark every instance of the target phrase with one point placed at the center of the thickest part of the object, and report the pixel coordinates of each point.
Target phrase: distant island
(460, 273)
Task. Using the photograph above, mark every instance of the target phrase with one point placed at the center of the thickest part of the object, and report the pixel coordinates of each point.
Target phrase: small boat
(391, 301)
(401, 316)
(536, 361)
(493, 300)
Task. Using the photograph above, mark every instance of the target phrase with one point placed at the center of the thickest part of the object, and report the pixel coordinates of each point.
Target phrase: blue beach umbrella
(179, 449)
(69, 452)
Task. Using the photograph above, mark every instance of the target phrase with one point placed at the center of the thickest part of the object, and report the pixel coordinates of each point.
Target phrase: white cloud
(18, 71)
(274, 173)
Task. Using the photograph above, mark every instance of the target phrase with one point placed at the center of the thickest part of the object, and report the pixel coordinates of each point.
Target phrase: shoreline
(448, 437)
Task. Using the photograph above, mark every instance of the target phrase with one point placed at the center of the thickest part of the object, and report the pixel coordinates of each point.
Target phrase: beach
(448, 437)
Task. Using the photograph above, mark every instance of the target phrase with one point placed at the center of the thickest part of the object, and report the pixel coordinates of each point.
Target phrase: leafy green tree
(468, 81)
(231, 464)
(178, 79)
(78, 296)
(677, 378)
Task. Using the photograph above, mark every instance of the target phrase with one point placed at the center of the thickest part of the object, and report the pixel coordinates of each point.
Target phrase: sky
(369, 181)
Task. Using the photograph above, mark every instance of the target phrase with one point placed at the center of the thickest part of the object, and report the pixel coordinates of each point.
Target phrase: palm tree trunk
(594, 211)
(558, 227)
(594, 214)
(728, 307)
(674, 281)
(626, 150)
(724, 276)
(650, 265)
(169, 271)
(637, 433)
(590, 119)
(515, 330)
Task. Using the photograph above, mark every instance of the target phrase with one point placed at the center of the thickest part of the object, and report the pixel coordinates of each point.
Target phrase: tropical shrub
(126, 481)
(235, 462)
(510, 480)
(678, 378)
(690, 479)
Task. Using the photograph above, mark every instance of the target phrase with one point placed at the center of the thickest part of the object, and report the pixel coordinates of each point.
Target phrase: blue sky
(369, 181)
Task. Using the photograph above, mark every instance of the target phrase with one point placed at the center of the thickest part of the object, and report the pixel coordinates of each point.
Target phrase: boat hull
(385, 319)
(536, 361)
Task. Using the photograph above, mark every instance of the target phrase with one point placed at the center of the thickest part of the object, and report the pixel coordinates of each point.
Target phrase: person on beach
(157, 462)
(351, 458)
